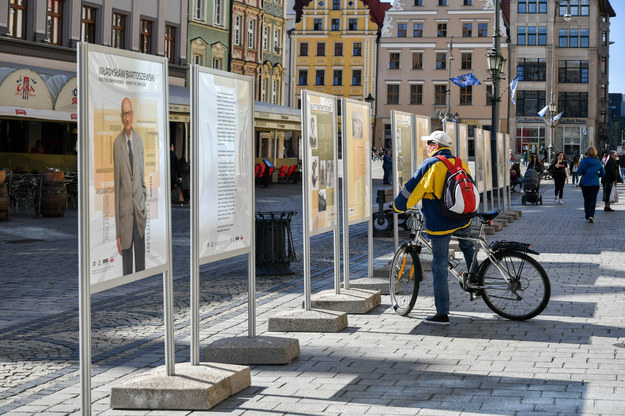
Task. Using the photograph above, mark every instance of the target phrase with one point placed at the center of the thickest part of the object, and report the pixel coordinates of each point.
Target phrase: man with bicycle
(427, 186)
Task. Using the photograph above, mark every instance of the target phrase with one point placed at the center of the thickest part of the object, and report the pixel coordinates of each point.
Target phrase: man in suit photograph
(130, 193)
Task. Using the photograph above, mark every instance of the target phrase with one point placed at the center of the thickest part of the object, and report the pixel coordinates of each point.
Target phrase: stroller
(531, 187)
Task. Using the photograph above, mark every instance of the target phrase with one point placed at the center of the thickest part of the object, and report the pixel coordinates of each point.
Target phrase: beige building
(561, 48)
(415, 62)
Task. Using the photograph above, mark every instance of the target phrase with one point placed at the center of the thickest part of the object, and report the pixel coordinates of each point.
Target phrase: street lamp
(553, 107)
(369, 99)
(446, 116)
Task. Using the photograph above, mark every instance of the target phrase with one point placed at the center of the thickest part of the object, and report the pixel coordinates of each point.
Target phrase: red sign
(25, 87)
(20, 112)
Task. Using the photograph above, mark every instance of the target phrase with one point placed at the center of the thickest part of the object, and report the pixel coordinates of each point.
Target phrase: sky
(617, 50)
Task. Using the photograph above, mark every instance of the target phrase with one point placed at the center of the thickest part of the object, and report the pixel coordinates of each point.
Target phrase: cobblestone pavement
(568, 360)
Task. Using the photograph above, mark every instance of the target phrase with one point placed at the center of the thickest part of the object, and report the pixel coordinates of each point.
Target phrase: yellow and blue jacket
(427, 185)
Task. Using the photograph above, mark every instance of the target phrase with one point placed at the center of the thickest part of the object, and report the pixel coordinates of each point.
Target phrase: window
(145, 36)
(532, 6)
(119, 31)
(442, 2)
(317, 24)
(356, 77)
(218, 17)
(402, 30)
(302, 77)
(198, 9)
(573, 72)
(604, 117)
(440, 95)
(352, 24)
(441, 30)
(337, 77)
(277, 37)
(392, 94)
(18, 10)
(603, 65)
(603, 96)
(585, 8)
(338, 48)
(321, 49)
(573, 38)
(441, 60)
(416, 94)
(265, 38)
(303, 49)
(170, 43)
(274, 91)
(465, 60)
(88, 24)
(467, 30)
(251, 34)
(542, 35)
(335, 24)
(467, 2)
(482, 30)
(531, 35)
(218, 63)
(574, 104)
(320, 77)
(563, 38)
(417, 60)
(263, 89)
(532, 69)
(238, 22)
(583, 38)
(604, 38)
(336, 4)
(418, 2)
(393, 60)
(574, 9)
(529, 102)
(55, 21)
(357, 49)
(466, 95)
(417, 30)
(521, 36)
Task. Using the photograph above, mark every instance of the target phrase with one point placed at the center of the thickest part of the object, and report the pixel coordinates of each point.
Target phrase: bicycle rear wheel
(405, 276)
(527, 292)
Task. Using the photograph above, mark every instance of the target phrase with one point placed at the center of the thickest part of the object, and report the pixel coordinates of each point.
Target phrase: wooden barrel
(53, 194)
(4, 202)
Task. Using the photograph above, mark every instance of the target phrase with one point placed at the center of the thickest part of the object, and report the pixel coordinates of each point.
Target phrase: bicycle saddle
(488, 216)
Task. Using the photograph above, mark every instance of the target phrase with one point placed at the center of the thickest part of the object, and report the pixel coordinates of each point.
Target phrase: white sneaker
(560, 202)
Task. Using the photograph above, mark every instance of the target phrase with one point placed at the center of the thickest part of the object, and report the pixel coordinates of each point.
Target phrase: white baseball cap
(439, 137)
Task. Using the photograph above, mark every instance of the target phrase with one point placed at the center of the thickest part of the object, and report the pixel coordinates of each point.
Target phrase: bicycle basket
(504, 245)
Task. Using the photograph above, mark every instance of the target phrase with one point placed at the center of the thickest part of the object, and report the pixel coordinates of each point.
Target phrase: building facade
(209, 33)
(561, 49)
(616, 127)
(423, 44)
(245, 38)
(334, 51)
(272, 72)
(38, 42)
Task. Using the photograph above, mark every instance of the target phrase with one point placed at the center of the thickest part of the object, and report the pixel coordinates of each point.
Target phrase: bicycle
(511, 282)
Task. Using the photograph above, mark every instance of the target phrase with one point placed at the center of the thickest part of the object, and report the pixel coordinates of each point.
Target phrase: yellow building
(334, 51)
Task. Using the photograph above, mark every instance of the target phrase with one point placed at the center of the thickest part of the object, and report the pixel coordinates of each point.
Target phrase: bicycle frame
(417, 238)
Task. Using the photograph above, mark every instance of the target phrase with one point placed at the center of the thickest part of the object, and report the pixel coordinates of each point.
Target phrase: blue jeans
(575, 177)
(440, 256)
(590, 199)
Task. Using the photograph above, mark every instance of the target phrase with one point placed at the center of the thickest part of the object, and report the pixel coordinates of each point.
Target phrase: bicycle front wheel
(405, 276)
(524, 295)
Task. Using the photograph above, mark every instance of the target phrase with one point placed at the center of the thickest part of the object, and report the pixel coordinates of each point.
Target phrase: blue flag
(465, 80)
(513, 85)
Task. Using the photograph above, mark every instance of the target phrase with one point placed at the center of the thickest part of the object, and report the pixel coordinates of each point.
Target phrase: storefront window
(531, 138)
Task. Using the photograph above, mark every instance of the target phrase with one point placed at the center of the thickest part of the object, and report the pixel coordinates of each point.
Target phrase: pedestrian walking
(573, 168)
(590, 170)
(387, 165)
(612, 175)
(525, 157)
(557, 168)
(621, 163)
(535, 164)
(427, 186)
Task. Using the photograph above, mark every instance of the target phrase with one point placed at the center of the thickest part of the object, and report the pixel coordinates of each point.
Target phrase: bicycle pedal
(472, 296)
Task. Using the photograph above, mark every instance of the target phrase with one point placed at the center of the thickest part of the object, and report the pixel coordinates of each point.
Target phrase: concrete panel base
(515, 214)
(258, 350)
(501, 220)
(301, 320)
(371, 283)
(349, 301)
(194, 387)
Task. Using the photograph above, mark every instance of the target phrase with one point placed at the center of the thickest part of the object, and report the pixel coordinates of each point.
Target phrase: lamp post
(369, 99)
(445, 116)
(495, 63)
(553, 107)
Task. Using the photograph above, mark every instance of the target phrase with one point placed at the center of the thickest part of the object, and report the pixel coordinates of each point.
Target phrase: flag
(542, 112)
(465, 80)
(556, 118)
(513, 85)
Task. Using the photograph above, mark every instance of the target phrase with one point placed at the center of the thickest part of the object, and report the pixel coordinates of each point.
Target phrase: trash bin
(274, 243)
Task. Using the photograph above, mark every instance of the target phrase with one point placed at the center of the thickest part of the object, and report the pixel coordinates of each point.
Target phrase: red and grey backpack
(460, 199)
